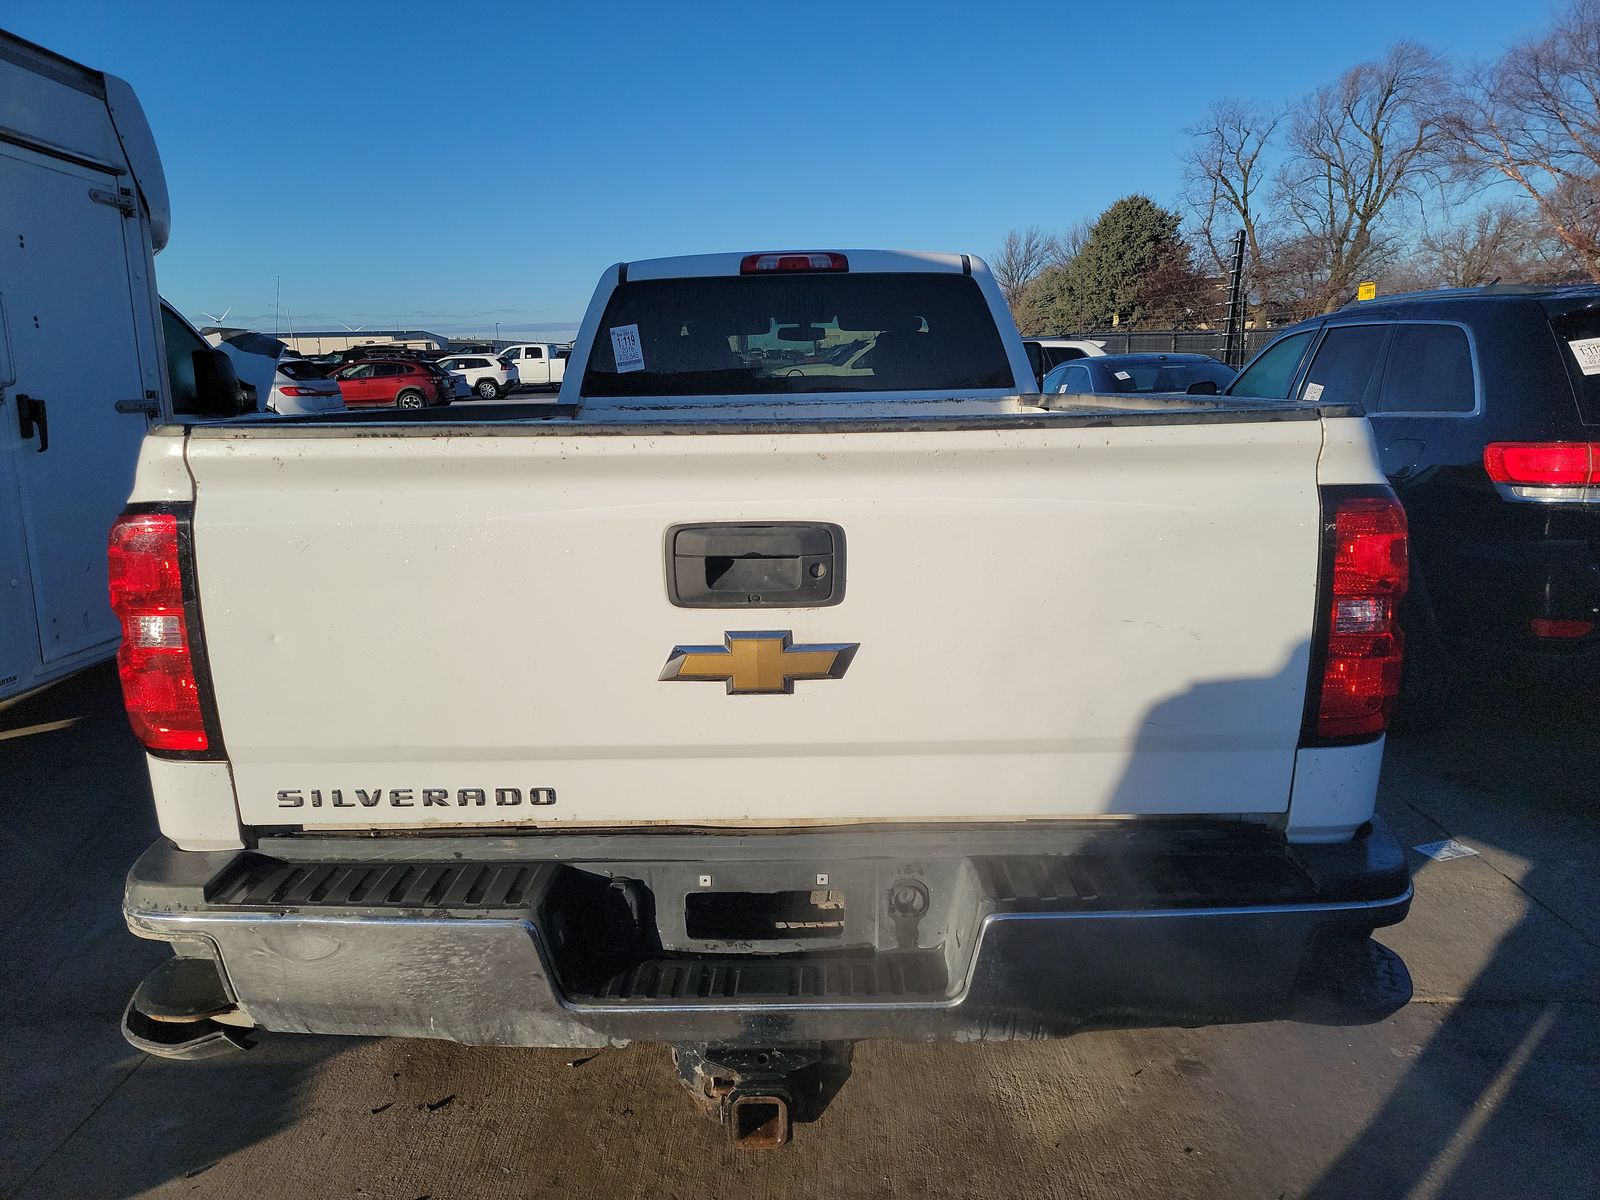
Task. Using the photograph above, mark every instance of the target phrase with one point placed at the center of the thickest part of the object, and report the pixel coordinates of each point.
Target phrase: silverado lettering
(504, 797)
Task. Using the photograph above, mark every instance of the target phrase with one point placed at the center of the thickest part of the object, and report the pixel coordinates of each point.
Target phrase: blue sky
(450, 166)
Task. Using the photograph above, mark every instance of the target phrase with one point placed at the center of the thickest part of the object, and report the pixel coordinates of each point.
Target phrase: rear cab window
(1577, 332)
(785, 333)
(1054, 356)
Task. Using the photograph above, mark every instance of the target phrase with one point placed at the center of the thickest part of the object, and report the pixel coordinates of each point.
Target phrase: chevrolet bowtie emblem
(755, 664)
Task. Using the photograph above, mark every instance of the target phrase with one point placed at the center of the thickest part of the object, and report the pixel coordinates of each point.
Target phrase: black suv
(1485, 406)
(376, 350)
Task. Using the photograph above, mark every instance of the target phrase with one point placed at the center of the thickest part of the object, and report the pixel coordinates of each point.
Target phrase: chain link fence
(1175, 341)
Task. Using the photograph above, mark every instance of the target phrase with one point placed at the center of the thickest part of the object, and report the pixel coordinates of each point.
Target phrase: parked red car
(380, 382)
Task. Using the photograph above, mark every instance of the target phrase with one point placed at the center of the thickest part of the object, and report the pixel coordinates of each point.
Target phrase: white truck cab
(772, 711)
(538, 364)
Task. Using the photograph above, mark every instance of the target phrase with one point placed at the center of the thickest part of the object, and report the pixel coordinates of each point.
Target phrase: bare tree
(1356, 150)
(1019, 260)
(1496, 242)
(1533, 118)
(1064, 247)
(1224, 170)
(1490, 246)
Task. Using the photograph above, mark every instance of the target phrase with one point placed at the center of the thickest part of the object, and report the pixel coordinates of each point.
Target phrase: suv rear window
(298, 368)
(773, 334)
(1578, 332)
(1430, 370)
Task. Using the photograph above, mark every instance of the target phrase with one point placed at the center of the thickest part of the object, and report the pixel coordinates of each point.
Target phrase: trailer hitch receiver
(758, 1094)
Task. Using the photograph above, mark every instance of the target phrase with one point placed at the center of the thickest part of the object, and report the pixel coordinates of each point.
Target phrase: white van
(82, 366)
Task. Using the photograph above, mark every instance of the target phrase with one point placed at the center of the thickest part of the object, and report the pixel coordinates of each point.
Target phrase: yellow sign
(1367, 290)
(754, 664)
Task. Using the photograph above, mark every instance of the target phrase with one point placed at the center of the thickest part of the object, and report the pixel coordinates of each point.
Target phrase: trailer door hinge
(149, 405)
(122, 201)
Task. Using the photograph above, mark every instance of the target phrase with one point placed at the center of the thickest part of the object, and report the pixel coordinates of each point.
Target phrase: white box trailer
(83, 210)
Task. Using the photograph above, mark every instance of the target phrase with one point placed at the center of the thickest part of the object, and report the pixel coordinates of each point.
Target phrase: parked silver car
(302, 388)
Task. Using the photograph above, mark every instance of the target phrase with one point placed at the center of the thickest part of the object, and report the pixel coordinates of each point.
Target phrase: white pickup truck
(758, 713)
(538, 364)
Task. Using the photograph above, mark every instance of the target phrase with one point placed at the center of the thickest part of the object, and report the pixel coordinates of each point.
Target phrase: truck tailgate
(409, 628)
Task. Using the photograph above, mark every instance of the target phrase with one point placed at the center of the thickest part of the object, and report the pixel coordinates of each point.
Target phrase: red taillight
(154, 661)
(1363, 650)
(300, 391)
(1559, 628)
(1557, 464)
(795, 260)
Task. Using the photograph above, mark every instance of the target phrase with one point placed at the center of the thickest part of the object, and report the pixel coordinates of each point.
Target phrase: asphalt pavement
(1487, 1084)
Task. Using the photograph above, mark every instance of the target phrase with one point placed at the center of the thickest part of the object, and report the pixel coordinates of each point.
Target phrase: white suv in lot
(487, 375)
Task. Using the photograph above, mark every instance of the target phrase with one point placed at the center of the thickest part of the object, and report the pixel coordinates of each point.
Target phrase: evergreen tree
(1133, 267)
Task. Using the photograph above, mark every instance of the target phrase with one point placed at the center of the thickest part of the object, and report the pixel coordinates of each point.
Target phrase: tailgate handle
(776, 564)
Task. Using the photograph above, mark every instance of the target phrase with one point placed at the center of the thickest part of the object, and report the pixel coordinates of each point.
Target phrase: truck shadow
(1203, 750)
(77, 808)
(1500, 1099)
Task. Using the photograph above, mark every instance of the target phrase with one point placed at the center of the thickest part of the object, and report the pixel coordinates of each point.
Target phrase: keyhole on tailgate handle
(818, 570)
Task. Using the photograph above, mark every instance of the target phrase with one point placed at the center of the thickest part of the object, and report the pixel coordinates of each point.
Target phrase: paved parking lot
(535, 396)
(1486, 1085)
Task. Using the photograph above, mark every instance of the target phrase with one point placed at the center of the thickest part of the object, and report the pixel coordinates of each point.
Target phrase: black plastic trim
(519, 420)
(1111, 870)
(809, 595)
(194, 626)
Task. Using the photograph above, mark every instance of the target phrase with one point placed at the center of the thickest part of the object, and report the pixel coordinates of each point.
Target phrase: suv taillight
(1544, 471)
(156, 660)
(1364, 575)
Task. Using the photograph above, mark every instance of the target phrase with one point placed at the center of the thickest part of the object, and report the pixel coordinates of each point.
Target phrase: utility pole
(1233, 327)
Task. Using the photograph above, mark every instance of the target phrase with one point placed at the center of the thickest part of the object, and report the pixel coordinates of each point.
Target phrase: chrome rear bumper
(583, 941)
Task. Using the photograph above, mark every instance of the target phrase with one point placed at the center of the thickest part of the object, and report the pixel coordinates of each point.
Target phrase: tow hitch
(759, 1093)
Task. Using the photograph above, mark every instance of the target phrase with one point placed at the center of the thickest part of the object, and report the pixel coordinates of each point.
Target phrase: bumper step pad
(258, 881)
(1102, 881)
(896, 975)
